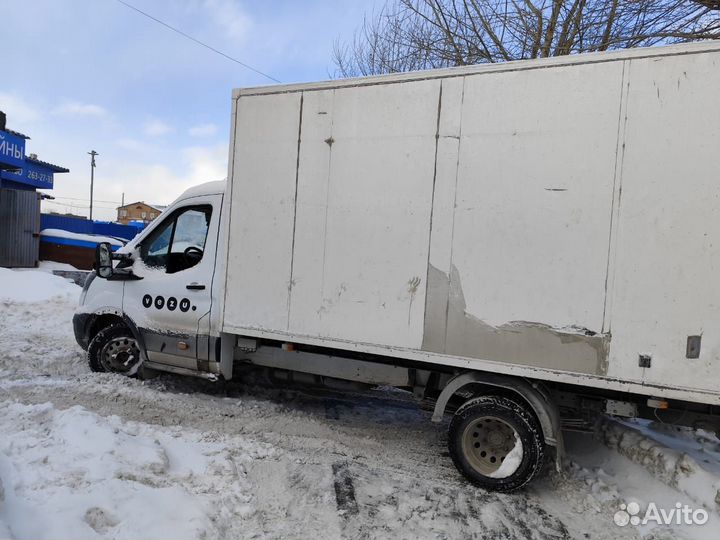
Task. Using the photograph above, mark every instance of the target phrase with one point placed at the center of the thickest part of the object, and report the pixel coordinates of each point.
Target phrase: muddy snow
(86, 455)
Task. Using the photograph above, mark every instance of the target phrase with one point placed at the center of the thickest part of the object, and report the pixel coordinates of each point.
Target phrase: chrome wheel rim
(121, 355)
(486, 442)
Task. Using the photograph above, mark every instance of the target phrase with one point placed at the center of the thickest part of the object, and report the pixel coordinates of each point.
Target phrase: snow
(34, 286)
(87, 455)
(612, 478)
(59, 233)
(49, 266)
(685, 459)
(75, 474)
(511, 462)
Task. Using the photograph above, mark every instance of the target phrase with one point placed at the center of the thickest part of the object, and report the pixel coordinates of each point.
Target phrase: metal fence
(85, 226)
(19, 228)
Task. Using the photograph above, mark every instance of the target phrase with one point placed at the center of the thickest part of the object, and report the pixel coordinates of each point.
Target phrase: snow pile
(511, 462)
(36, 338)
(74, 474)
(682, 458)
(34, 286)
(96, 238)
(612, 479)
(50, 266)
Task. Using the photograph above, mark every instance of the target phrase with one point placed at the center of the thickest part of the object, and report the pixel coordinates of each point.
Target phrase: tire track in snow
(400, 482)
(344, 489)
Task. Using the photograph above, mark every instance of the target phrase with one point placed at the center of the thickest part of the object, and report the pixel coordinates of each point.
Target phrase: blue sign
(31, 174)
(12, 149)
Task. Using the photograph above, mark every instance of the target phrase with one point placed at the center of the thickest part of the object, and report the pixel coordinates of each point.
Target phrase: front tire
(115, 350)
(488, 430)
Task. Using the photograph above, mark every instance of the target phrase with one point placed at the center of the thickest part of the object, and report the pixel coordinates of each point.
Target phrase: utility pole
(92, 154)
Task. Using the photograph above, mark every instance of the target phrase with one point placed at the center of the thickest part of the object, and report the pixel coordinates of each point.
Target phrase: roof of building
(158, 207)
(16, 133)
(53, 168)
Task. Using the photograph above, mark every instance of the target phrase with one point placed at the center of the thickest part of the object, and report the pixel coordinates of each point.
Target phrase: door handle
(195, 287)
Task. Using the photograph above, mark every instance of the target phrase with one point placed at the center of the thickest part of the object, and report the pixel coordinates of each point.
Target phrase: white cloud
(203, 130)
(18, 111)
(206, 164)
(129, 144)
(156, 128)
(75, 108)
(159, 183)
(155, 182)
(230, 17)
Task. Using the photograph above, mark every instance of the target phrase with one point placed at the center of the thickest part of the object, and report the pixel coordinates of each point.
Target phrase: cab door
(171, 304)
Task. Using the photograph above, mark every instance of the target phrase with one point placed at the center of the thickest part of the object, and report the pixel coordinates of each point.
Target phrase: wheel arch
(532, 393)
(102, 319)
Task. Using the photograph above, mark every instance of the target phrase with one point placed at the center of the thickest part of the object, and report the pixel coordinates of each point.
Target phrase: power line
(83, 206)
(85, 200)
(198, 41)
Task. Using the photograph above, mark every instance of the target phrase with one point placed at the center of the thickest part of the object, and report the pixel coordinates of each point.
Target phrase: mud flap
(227, 349)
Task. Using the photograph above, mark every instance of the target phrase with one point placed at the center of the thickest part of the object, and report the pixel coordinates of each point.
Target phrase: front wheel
(115, 350)
(497, 443)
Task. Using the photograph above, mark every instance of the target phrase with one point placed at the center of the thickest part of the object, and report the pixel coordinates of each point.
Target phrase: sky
(81, 75)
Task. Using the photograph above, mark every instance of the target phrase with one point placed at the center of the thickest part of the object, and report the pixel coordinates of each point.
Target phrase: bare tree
(409, 35)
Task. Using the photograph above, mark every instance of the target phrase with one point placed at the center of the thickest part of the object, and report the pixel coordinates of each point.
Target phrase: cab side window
(179, 241)
(154, 250)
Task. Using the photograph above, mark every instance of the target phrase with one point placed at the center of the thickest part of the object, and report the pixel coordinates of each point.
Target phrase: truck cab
(155, 307)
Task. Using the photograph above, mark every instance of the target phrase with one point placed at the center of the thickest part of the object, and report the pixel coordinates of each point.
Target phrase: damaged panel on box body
(519, 271)
(439, 260)
(534, 194)
(668, 246)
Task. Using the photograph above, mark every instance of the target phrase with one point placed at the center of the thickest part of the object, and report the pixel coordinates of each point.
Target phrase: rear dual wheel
(497, 443)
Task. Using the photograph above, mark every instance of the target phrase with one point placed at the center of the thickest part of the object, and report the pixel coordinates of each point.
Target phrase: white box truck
(522, 245)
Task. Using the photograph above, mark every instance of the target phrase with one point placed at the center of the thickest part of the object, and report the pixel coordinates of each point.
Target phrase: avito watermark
(680, 514)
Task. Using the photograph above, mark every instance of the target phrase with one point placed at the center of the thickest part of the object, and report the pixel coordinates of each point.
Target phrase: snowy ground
(86, 455)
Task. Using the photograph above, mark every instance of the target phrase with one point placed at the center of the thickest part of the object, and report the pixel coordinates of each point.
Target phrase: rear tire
(115, 350)
(486, 430)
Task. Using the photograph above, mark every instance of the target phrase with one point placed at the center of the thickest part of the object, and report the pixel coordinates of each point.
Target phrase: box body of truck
(552, 219)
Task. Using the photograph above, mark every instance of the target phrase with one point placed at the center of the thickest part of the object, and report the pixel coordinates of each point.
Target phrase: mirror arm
(120, 256)
(123, 274)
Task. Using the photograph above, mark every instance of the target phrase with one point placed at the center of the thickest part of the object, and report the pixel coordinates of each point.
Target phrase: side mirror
(103, 260)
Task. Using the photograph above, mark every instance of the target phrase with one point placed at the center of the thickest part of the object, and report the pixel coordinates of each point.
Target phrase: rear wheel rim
(486, 442)
(121, 355)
